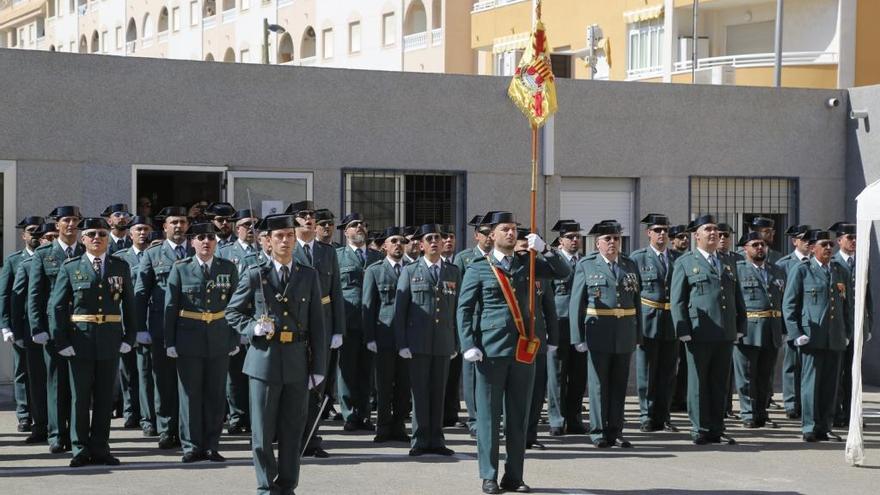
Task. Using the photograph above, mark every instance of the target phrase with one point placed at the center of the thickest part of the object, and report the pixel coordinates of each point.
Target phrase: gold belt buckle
(618, 312)
(286, 337)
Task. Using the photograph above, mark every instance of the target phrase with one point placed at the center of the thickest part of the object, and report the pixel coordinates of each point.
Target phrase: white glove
(7, 335)
(41, 338)
(263, 328)
(67, 352)
(473, 354)
(315, 380)
(552, 348)
(124, 348)
(336, 341)
(371, 346)
(405, 353)
(19, 343)
(582, 347)
(452, 356)
(234, 351)
(536, 243)
(685, 338)
(243, 340)
(739, 335)
(868, 339)
(144, 338)
(847, 341)
(802, 340)
(171, 352)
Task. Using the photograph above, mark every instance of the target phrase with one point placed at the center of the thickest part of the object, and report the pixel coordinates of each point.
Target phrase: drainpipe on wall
(777, 72)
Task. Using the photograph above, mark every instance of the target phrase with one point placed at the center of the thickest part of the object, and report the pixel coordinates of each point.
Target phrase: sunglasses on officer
(825, 244)
(572, 237)
(724, 234)
(431, 238)
(95, 233)
(205, 237)
(246, 225)
(305, 214)
(222, 219)
(659, 230)
(356, 224)
(681, 237)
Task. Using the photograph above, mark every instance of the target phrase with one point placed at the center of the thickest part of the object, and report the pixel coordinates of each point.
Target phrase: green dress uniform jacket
(380, 291)
(279, 371)
(93, 313)
(598, 292)
(707, 305)
(791, 358)
(657, 355)
(502, 383)
(36, 365)
(468, 369)
(44, 268)
(20, 340)
(817, 304)
(754, 356)
(237, 254)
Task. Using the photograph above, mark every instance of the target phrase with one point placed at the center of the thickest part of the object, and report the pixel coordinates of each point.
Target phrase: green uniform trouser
(278, 411)
(753, 367)
(237, 390)
(469, 391)
(201, 384)
(20, 382)
(58, 394)
(539, 391)
(656, 361)
(128, 372)
(607, 376)
(392, 393)
(707, 386)
(503, 385)
(428, 381)
(819, 381)
(566, 382)
(452, 399)
(91, 382)
(844, 391)
(36, 373)
(355, 374)
(146, 385)
(791, 378)
(165, 378)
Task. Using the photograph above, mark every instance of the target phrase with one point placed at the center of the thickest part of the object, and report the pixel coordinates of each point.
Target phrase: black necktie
(613, 267)
(714, 262)
(285, 274)
(206, 271)
(69, 252)
(852, 263)
(435, 273)
(663, 268)
(309, 253)
(397, 269)
(140, 254)
(120, 244)
(180, 252)
(96, 264)
(505, 262)
(360, 255)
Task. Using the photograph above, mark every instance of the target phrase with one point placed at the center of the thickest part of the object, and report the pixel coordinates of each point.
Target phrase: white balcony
(209, 22)
(228, 16)
(40, 43)
(147, 42)
(761, 60)
(491, 4)
(437, 37)
(415, 41)
(308, 61)
(82, 9)
(282, 3)
(162, 37)
(130, 46)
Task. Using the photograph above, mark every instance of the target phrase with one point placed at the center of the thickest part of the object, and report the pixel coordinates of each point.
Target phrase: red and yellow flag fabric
(533, 88)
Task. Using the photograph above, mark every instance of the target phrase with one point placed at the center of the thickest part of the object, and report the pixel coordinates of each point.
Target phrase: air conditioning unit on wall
(719, 75)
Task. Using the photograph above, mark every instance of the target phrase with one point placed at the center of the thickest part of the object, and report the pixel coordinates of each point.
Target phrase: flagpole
(533, 228)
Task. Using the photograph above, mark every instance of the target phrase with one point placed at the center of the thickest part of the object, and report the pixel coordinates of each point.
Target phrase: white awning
(513, 42)
(645, 14)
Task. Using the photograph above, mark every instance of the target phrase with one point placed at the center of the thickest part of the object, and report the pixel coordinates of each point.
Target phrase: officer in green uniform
(152, 280)
(754, 355)
(236, 383)
(325, 226)
(221, 215)
(657, 355)
(392, 373)
(198, 336)
(452, 397)
(92, 318)
(355, 360)
(482, 247)
(118, 217)
(846, 258)
(547, 331)
(277, 305)
(44, 269)
(818, 319)
(322, 257)
(13, 332)
(726, 236)
(679, 239)
(425, 335)
(567, 373)
(605, 319)
(709, 315)
(139, 229)
(767, 228)
(488, 335)
(791, 359)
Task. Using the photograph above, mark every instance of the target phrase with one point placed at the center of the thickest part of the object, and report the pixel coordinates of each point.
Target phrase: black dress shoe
(491, 486)
(131, 424)
(769, 423)
(576, 429)
(750, 425)
(214, 456)
(337, 416)
(556, 431)
(236, 429)
(80, 460)
(36, 438)
(56, 448)
(105, 460)
(166, 441)
(810, 437)
(724, 438)
(536, 445)
(149, 431)
(24, 426)
(350, 426)
(191, 457)
(472, 433)
(701, 440)
(317, 453)
(602, 443)
(401, 437)
(668, 426)
(623, 443)
(515, 486)
(792, 415)
(648, 426)
(366, 425)
(415, 452)
(443, 451)
(450, 423)
(381, 438)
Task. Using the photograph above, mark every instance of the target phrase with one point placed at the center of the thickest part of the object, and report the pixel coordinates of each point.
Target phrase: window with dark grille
(561, 65)
(737, 200)
(404, 198)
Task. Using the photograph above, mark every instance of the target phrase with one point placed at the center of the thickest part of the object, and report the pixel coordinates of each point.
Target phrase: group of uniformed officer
(260, 323)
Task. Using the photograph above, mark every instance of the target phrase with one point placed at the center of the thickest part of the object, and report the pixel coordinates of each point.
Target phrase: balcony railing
(282, 3)
(760, 59)
(162, 37)
(147, 41)
(415, 41)
(491, 4)
(40, 43)
(308, 60)
(229, 15)
(209, 22)
(437, 37)
(130, 46)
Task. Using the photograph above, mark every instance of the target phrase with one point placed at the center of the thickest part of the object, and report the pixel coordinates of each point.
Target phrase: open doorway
(158, 187)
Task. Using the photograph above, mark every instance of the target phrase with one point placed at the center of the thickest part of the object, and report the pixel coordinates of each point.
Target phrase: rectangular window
(104, 41)
(590, 200)
(389, 29)
(327, 43)
(561, 66)
(354, 37)
(645, 47)
(245, 56)
(72, 46)
(245, 4)
(118, 37)
(505, 62)
(175, 19)
(736, 200)
(387, 198)
(193, 13)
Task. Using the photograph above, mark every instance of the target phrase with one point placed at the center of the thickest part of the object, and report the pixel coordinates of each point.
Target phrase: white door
(267, 192)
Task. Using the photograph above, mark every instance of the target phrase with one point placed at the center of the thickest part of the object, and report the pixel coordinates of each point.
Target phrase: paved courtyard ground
(764, 461)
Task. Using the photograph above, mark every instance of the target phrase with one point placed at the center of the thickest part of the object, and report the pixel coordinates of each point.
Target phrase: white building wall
(339, 14)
